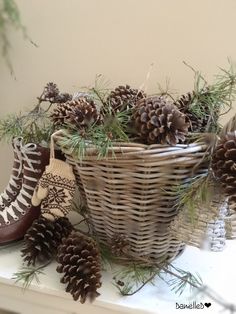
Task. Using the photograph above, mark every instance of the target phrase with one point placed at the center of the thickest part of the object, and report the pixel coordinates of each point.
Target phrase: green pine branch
(26, 275)
(100, 137)
(31, 126)
(213, 100)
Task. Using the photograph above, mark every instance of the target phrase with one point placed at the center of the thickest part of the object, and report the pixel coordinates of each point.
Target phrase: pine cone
(196, 124)
(61, 114)
(159, 121)
(80, 113)
(124, 97)
(79, 261)
(205, 122)
(51, 91)
(42, 239)
(119, 244)
(224, 164)
(83, 114)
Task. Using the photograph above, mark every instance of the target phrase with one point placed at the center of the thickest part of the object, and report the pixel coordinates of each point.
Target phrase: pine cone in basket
(80, 113)
(84, 113)
(42, 239)
(196, 124)
(79, 261)
(119, 244)
(205, 122)
(224, 164)
(158, 121)
(60, 114)
(124, 97)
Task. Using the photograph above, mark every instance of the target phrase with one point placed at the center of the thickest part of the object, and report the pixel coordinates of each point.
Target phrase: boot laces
(26, 150)
(4, 196)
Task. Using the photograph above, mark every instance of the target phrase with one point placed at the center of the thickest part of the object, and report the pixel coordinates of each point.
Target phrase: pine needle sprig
(193, 195)
(184, 280)
(73, 143)
(107, 258)
(115, 126)
(216, 98)
(196, 192)
(100, 90)
(27, 274)
(78, 145)
(31, 126)
(98, 137)
(134, 273)
(195, 282)
(133, 277)
(180, 280)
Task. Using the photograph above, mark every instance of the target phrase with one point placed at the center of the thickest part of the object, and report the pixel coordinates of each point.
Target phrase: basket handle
(52, 143)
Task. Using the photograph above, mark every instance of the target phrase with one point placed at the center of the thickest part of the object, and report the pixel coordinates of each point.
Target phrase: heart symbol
(207, 304)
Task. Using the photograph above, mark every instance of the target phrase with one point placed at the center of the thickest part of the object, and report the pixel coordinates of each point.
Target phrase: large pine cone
(43, 238)
(158, 121)
(224, 164)
(79, 261)
(198, 123)
(124, 97)
(80, 113)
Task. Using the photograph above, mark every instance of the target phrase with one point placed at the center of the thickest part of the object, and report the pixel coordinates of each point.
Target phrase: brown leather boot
(19, 215)
(15, 182)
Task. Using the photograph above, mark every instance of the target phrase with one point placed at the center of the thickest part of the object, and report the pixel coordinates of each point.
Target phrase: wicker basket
(132, 193)
(230, 222)
(208, 230)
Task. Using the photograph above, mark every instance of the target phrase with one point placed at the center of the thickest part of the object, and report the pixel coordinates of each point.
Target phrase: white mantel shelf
(217, 269)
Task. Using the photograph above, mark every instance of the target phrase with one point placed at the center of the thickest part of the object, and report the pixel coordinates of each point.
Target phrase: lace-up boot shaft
(19, 215)
(15, 182)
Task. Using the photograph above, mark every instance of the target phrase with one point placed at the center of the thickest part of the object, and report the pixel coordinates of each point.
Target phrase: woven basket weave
(134, 193)
(230, 222)
(208, 230)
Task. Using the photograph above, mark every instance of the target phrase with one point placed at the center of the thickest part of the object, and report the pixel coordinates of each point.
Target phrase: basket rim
(136, 150)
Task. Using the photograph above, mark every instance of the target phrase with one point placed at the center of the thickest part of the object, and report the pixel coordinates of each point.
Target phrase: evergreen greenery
(213, 99)
(98, 137)
(197, 193)
(100, 90)
(32, 126)
(27, 274)
(116, 127)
